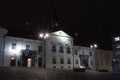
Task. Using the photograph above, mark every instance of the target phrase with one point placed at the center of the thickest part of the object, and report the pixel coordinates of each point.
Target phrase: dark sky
(94, 21)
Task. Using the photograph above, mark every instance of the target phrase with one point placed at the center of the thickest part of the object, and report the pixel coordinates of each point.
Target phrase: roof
(60, 33)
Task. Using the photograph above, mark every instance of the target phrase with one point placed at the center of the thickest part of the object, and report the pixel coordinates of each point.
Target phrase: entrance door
(24, 60)
(39, 62)
(29, 62)
(12, 61)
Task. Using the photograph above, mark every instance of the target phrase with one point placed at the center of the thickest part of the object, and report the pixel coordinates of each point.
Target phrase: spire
(56, 23)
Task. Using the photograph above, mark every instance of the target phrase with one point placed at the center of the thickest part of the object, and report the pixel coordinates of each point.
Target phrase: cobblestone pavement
(20, 73)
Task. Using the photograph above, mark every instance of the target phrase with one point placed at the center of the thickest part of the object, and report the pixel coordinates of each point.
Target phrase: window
(27, 46)
(76, 52)
(39, 48)
(13, 45)
(68, 50)
(61, 49)
(69, 61)
(54, 66)
(53, 48)
(54, 60)
(69, 66)
(90, 53)
(117, 45)
(83, 52)
(61, 66)
(61, 61)
(76, 61)
(117, 39)
(92, 63)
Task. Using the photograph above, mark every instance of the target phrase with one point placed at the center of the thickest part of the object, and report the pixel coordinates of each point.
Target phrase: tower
(56, 22)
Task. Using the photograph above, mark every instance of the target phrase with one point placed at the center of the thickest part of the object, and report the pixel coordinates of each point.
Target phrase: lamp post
(44, 36)
(94, 46)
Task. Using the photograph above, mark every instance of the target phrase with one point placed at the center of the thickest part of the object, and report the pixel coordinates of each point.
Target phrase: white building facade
(57, 51)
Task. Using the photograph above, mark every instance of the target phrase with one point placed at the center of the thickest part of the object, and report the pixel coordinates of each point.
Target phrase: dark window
(39, 48)
(69, 66)
(76, 61)
(68, 50)
(76, 52)
(53, 48)
(54, 60)
(90, 53)
(54, 66)
(13, 45)
(83, 52)
(27, 46)
(92, 63)
(106, 63)
(61, 49)
(61, 66)
(61, 61)
(69, 61)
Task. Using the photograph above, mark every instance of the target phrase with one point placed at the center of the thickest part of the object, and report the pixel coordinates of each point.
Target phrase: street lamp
(44, 36)
(94, 46)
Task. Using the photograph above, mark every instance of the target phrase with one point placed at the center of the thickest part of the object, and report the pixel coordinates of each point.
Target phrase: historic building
(56, 51)
(116, 51)
(103, 59)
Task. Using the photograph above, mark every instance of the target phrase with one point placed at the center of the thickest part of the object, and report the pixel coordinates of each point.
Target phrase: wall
(88, 52)
(58, 39)
(20, 45)
(104, 60)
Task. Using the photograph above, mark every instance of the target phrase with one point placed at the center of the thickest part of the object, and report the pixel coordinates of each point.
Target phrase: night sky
(87, 21)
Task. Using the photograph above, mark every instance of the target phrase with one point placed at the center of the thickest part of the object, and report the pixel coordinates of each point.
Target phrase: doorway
(13, 61)
(39, 62)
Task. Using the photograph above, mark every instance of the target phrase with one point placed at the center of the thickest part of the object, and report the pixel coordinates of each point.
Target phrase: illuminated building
(116, 51)
(56, 51)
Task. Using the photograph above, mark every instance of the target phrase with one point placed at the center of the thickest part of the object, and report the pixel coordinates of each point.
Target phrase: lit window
(117, 38)
(13, 45)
